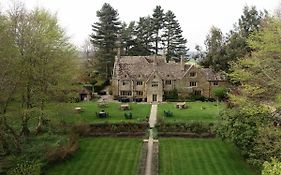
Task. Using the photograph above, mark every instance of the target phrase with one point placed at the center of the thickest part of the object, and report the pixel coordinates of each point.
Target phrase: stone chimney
(154, 62)
(182, 63)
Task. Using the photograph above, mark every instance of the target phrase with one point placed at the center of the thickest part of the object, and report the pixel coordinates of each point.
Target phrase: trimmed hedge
(111, 129)
(191, 129)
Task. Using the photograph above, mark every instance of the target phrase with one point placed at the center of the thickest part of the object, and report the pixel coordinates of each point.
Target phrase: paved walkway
(153, 115)
(152, 122)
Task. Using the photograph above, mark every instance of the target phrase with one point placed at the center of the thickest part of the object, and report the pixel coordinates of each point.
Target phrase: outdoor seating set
(180, 105)
(102, 114)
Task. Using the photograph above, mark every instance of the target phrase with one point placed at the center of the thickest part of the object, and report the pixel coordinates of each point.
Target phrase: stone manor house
(148, 78)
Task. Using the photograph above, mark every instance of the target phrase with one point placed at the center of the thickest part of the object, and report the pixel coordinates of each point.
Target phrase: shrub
(271, 168)
(26, 168)
(171, 95)
(101, 86)
(219, 92)
(128, 115)
(168, 113)
(64, 151)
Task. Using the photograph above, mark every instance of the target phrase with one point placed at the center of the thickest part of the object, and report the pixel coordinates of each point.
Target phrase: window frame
(191, 84)
(195, 74)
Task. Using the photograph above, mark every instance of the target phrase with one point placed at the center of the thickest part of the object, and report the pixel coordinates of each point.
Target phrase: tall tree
(214, 50)
(9, 82)
(143, 40)
(173, 40)
(235, 43)
(104, 38)
(158, 24)
(127, 36)
(45, 58)
(250, 124)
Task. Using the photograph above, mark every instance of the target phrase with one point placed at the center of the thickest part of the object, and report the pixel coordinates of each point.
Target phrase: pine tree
(143, 37)
(158, 24)
(104, 38)
(127, 36)
(173, 40)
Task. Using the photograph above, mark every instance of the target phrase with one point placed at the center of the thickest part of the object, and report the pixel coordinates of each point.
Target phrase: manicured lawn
(179, 156)
(196, 111)
(108, 156)
(139, 112)
(65, 112)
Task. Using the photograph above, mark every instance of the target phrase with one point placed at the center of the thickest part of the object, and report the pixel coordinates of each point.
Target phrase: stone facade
(149, 77)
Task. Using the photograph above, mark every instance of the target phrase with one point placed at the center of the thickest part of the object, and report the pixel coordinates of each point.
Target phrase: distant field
(102, 156)
(196, 111)
(179, 156)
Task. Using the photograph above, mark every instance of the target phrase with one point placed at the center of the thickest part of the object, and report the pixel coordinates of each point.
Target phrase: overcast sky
(195, 16)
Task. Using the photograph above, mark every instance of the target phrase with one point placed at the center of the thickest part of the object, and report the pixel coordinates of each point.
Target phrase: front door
(154, 97)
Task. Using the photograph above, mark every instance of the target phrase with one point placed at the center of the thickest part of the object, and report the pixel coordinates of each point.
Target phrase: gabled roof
(142, 67)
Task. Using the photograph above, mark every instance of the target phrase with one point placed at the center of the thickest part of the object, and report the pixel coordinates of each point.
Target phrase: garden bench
(125, 107)
(181, 105)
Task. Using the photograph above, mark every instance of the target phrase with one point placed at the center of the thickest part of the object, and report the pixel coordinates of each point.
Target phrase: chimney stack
(182, 63)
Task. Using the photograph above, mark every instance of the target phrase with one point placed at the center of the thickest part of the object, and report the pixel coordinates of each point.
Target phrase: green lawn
(65, 111)
(108, 156)
(196, 111)
(179, 156)
(139, 112)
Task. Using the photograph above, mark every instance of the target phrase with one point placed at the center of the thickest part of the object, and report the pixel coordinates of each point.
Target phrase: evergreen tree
(235, 45)
(158, 24)
(143, 40)
(127, 36)
(173, 40)
(104, 38)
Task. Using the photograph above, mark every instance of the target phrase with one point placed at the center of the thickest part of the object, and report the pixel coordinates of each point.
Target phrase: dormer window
(139, 83)
(192, 74)
(125, 76)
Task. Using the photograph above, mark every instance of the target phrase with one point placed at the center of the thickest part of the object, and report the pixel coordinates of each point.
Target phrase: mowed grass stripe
(105, 156)
(200, 157)
(217, 163)
(197, 157)
(102, 156)
(114, 158)
(118, 169)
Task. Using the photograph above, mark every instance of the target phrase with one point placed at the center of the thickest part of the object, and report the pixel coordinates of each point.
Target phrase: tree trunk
(24, 124)
(39, 128)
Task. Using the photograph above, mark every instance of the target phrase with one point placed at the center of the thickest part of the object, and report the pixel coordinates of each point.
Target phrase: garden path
(152, 122)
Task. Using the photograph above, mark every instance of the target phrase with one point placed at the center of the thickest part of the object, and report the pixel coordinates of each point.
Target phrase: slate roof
(141, 67)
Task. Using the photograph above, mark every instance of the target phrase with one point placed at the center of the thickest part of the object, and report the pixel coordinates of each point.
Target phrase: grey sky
(196, 16)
